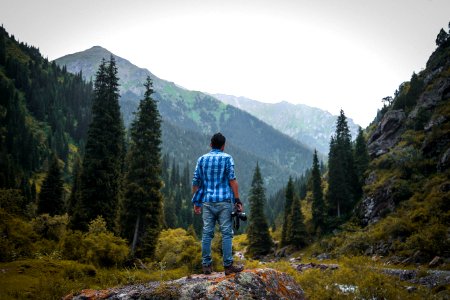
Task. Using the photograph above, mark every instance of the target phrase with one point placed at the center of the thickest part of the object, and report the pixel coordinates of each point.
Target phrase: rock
(444, 162)
(323, 256)
(295, 259)
(249, 284)
(387, 133)
(240, 255)
(303, 267)
(435, 122)
(375, 205)
(411, 289)
(431, 97)
(436, 261)
(431, 278)
(281, 252)
(376, 258)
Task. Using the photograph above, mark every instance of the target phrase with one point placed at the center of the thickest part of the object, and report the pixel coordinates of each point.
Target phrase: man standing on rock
(215, 188)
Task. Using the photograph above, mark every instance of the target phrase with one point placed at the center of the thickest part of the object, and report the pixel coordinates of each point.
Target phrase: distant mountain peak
(309, 125)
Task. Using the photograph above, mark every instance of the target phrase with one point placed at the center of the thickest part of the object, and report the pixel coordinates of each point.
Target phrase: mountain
(309, 125)
(405, 210)
(190, 117)
(44, 111)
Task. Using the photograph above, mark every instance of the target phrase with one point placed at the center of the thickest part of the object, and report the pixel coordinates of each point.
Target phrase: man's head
(218, 141)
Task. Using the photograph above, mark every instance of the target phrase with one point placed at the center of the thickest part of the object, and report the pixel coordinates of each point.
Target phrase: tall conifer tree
(342, 179)
(51, 196)
(318, 204)
(289, 198)
(361, 157)
(297, 230)
(259, 240)
(104, 152)
(142, 204)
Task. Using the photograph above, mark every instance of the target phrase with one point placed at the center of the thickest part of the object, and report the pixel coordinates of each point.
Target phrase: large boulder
(249, 284)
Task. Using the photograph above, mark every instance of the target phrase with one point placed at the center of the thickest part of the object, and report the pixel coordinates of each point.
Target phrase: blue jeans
(220, 212)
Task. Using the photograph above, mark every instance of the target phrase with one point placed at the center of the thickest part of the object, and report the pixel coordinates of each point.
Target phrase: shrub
(17, 237)
(102, 247)
(12, 201)
(98, 246)
(431, 240)
(176, 248)
(48, 227)
(72, 246)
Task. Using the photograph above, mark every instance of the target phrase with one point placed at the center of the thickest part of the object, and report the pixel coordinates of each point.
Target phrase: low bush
(50, 227)
(177, 248)
(17, 238)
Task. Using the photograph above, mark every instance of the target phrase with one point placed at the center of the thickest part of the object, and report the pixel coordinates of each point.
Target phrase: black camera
(237, 217)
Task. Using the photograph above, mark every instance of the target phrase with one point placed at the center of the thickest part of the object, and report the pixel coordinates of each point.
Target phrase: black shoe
(207, 269)
(233, 269)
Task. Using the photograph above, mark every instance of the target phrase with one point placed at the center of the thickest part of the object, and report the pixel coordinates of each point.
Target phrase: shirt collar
(215, 150)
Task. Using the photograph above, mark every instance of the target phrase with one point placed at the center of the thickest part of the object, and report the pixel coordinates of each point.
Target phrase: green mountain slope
(405, 210)
(309, 125)
(43, 111)
(201, 115)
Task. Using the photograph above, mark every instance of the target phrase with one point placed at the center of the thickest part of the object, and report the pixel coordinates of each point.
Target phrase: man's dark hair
(217, 141)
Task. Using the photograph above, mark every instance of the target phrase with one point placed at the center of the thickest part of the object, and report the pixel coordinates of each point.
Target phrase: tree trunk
(136, 229)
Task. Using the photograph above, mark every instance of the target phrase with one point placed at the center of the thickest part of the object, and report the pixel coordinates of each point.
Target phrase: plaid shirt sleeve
(196, 181)
(229, 167)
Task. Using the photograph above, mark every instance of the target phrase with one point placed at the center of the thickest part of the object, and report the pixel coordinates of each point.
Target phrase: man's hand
(197, 209)
(238, 205)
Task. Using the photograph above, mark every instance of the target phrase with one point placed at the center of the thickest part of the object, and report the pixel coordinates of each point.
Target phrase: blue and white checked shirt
(212, 174)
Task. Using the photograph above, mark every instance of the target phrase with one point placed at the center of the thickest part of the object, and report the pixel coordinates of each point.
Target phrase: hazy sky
(330, 54)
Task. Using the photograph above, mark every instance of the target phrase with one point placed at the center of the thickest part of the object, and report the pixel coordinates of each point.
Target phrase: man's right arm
(196, 182)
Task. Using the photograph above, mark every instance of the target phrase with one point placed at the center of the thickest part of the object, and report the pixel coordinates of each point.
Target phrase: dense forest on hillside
(45, 111)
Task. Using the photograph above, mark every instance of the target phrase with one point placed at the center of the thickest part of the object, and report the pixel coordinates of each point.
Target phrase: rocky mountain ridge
(408, 134)
(309, 125)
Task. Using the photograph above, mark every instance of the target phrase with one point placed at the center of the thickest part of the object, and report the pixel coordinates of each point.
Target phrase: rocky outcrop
(430, 98)
(249, 284)
(387, 133)
(374, 206)
(430, 279)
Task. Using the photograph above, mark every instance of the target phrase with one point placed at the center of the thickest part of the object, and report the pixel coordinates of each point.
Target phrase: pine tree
(342, 179)
(76, 182)
(361, 158)
(2, 46)
(318, 204)
(297, 230)
(51, 196)
(258, 234)
(361, 154)
(104, 152)
(142, 204)
(289, 197)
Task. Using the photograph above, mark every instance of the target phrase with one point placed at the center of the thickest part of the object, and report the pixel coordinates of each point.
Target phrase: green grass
(53, 279)
(358, 274)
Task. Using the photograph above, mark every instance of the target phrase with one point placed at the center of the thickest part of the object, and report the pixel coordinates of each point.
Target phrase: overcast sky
(330, 54)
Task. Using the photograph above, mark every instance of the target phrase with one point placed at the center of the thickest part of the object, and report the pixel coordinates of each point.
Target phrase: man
(215, 188)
